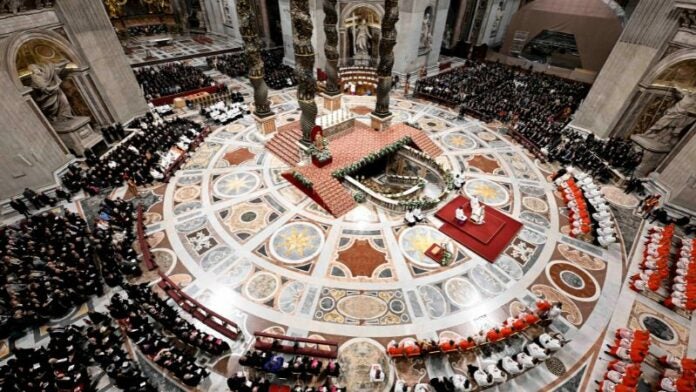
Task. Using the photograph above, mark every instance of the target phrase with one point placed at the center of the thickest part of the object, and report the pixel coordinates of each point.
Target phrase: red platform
(488, 240)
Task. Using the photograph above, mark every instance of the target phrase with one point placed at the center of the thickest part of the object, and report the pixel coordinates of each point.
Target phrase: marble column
(677, 173)
(652, 24)
(262, 106)
(381, 116)
(303, 27)
(332, 95)
(459, 24)
(88, 27)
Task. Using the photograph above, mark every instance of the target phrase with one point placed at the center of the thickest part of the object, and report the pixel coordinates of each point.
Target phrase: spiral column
(252, 48)
(332, 94)
(381, 116)
(304, 62)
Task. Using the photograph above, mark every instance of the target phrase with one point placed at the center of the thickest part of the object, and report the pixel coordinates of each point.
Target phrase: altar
(488, 239)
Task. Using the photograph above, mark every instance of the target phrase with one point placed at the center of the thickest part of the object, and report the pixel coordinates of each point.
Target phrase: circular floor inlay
(458, 141)
(490, 193)
(262, 286)
(535, 204)
(186, 193)
(414, 241)
(236, 184)
(658, 328)
(297, 243)
(572, 279)
(462, 292)
(434, 301)
(248, 216)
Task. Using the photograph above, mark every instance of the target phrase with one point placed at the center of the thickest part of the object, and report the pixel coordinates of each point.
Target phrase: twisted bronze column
(304, 62)
(331, 46)
(386, 57)
(252, 45)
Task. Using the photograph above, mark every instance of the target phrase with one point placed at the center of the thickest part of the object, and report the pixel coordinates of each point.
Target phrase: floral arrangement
(360, 197)
(372, 157)
(302, 180)
(323, 154)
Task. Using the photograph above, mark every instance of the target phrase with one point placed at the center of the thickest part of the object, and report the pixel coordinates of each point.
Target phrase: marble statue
(362, 39)
(666, 131)
(426, 37)
(47, 93)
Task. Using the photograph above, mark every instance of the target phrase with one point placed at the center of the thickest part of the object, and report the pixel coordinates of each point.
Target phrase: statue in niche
(362, 37)
(12, 6)
(666, 131)
(45, 82)
(426, 38)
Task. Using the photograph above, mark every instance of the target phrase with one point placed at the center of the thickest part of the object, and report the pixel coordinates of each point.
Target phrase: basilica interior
(347, 195)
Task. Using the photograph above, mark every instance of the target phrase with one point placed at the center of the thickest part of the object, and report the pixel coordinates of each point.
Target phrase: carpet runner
(488, 240)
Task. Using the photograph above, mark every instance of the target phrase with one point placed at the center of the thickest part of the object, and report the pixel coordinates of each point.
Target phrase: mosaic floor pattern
(270, 258)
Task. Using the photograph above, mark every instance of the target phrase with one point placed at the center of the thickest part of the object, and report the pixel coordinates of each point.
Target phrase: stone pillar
(263, 115)
(678, 175)
(304, 59)
(381, 116)
(652, 24)
(88, 26)
(459, 24)
(332, 95)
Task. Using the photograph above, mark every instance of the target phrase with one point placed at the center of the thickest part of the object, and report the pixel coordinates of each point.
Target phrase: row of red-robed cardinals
(657, 267)
(630, 347)
(544, 311)
(654, 268)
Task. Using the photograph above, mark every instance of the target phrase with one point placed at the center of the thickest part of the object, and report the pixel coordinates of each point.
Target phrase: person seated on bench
(418, 214)
(458, 181)
(459, 215)
(409, 218)
(478, 211)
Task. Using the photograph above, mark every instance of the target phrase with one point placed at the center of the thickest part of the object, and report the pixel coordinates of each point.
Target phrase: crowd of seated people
(654, 268)
(143, 158)
(113, 133)
(169, 79)
(46, 269)
(105, 345)
(153, 344)
(154, 29)
(225, 113)
(170, 319)
(304, 366)
(630, 347)
(494, 91)
(38, 200)
(112, 239)
(60, 366)
(588, 212)
(595, 156)
(276, 74)
(242, 383)
(679, 375)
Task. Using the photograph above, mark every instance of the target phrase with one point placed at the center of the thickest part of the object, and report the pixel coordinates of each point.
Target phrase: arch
(348, 10)
(666, 63)
(16, 41)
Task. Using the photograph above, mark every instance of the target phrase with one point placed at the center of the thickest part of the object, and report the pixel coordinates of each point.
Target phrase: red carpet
(488, 240)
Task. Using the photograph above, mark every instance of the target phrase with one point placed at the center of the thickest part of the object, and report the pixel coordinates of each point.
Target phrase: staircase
(337, 199)
(425, 144)
(284, 145)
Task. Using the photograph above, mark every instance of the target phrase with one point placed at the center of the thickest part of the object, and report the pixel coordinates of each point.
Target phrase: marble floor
(249, 245)
(244, 242)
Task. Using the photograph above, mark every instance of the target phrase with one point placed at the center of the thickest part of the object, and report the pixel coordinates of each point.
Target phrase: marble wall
(643, 41)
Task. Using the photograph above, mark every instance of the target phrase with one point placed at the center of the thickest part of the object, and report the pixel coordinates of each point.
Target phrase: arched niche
(47, 47)
(657, 92)
(350, 17)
